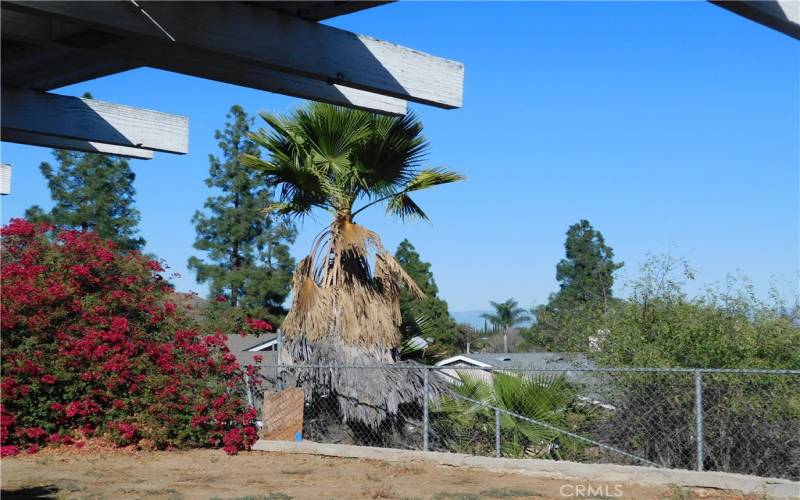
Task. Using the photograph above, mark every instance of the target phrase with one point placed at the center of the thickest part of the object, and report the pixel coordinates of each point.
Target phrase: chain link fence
(745, 421)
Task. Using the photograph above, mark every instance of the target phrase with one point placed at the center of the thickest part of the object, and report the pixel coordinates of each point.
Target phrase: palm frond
(403, 206)
(432, 177)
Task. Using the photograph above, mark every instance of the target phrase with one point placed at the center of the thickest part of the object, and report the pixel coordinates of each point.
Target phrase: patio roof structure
(274, 46)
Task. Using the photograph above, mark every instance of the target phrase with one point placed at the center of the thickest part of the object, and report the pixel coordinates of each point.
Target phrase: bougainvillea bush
(92, 347)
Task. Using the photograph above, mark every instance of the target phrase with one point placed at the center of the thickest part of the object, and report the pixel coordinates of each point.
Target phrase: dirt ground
(275, 476)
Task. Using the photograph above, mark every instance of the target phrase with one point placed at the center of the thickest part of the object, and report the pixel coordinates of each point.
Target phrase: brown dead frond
(338, 294)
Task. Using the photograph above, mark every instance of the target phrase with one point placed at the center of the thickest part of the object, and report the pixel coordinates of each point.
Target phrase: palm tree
(346, 291)
(465, 418)
(506, 315)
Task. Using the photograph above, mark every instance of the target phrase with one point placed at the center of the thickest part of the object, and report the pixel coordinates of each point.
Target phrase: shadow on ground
(48, 491)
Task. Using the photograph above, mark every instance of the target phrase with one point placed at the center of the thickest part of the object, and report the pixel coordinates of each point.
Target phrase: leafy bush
(750, 421)
(93, 347)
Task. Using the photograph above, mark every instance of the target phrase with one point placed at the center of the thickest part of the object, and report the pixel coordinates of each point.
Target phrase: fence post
(497, 432)
(425, 409)
(249, 389)
(278, 370)
(698, 416)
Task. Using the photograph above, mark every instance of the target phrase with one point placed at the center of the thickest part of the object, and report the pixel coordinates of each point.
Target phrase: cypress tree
(432, 310)
(92, 192)
(587, 272)
(247, 254)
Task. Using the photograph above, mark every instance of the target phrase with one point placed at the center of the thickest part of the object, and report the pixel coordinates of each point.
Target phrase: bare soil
(261, 475)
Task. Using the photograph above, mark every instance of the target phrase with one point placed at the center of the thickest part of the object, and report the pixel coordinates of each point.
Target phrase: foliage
(726, 327)
(568, 327)
(546, 398)
(587, 272)
(346, 291)
(248, 254)
(506, 315)
(438, 323)
(578, 310)
(750, 420)
(92, 192)
(93, 347)
(330, 157)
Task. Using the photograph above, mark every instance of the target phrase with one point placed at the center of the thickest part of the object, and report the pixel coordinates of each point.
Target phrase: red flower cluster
(93, 347)
(258, 325)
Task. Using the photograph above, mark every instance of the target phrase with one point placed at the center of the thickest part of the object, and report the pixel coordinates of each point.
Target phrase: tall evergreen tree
(579, 309)
(587, 272)
(431, 310)
(92, 192)
(248, 259)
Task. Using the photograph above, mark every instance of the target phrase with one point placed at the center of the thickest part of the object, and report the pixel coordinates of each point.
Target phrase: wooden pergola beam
(49, 141)
(161, 54)
(55, 68)
(259, 35)
(780, 15)
(42, 113)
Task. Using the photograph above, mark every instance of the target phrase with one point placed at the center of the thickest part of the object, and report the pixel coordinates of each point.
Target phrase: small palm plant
(465, 419)
(346, 306)
(506, 315)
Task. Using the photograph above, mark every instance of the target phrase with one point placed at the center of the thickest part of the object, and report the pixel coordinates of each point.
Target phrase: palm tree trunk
(505, 340)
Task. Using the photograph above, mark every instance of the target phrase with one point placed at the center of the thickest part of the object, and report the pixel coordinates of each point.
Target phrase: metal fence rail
(732, 420)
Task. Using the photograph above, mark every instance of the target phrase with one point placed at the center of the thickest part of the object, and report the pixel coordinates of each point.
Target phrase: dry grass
(206, 474)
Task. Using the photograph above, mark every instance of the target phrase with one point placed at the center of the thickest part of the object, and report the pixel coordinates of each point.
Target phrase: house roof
(569, 364)
(534, 360)
(239, 345)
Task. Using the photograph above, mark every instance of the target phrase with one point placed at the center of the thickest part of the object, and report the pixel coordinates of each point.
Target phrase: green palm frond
(403, 206)
(432, 177)
(544, 398)
(324, 156)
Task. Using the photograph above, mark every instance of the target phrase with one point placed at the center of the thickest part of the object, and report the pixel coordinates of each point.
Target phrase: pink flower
(258, 324)
(104, 254)
(170, 307)
(79, 270)
(8, 451)
(48, 379)
(34, 432)
(154, 265)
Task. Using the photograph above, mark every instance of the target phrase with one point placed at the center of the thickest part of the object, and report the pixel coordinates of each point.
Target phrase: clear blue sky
(672, 127)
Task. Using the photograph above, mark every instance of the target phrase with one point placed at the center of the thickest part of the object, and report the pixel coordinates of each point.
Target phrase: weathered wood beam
(259, 35)
(325, 9)
(91, 120)
(49, 141)
(5, 178)
(780, 15)
(55, 67)
(162, 54)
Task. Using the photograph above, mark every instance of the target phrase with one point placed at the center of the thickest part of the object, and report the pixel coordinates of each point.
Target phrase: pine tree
(92, 192)
(579, 309)
(431, 310)
(248, 259)
(587, 272)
